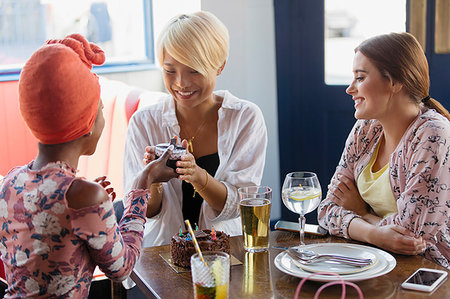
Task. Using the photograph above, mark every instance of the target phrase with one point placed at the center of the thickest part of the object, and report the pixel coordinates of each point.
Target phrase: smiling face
(188, 87)
(370, 90)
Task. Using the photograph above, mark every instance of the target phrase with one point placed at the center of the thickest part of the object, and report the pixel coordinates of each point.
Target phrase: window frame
(13, 74)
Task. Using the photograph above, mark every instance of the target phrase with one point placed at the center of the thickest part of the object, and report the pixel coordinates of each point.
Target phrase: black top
(192, 205)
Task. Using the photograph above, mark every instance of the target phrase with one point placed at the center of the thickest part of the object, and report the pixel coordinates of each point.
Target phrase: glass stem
(302, 222)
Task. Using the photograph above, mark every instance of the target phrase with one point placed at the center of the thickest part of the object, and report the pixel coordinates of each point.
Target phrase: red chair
(2, 271)
(19, 146)
(3, 283)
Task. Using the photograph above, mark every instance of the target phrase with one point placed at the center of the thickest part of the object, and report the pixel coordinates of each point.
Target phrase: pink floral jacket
(419, 175)
(51, 250)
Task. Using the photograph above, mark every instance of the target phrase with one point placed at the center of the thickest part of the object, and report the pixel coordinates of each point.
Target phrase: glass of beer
(254, 205)
(211, 277)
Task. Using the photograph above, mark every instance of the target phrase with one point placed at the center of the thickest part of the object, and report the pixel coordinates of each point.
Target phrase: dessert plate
(384, 264)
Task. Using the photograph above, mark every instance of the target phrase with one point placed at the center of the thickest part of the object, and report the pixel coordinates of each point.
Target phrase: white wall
(250, 72)
(148, 79)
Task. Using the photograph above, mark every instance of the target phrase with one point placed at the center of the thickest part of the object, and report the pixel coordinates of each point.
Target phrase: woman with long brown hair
(392, 185)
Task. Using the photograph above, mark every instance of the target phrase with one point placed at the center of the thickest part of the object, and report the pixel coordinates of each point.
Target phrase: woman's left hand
(345, 194)
(398, 239)
(188, 169)
(104, 183)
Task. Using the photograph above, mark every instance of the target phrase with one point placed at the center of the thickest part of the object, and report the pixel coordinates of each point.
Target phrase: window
(348, 23)
(123, 29)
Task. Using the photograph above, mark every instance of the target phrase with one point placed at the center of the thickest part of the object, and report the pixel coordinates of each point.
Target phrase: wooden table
(257, 276)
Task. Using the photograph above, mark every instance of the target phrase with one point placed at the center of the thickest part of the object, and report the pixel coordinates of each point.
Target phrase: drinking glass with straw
(194, 240)
(210, 280)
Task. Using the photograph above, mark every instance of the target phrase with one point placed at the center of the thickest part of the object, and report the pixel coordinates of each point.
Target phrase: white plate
(336, 267)
(384, 265)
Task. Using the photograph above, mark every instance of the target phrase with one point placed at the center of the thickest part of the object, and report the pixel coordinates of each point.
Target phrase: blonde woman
(225, 136)
(392, 185)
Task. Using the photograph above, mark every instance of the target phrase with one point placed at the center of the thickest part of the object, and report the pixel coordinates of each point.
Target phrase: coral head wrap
(58, 93)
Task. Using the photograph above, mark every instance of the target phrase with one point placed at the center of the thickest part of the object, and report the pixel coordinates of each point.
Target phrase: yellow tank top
(375, 188)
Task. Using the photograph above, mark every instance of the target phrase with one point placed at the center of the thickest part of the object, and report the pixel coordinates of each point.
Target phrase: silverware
(309, 257)
(307, 254)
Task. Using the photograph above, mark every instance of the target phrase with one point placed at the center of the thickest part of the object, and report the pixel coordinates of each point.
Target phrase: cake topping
(200, 234)
(188, 238)
(213, 233)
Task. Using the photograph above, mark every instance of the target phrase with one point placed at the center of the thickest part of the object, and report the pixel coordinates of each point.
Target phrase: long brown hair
(400, 56)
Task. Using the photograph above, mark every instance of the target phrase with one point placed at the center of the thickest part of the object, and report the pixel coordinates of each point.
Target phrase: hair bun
(89, 53)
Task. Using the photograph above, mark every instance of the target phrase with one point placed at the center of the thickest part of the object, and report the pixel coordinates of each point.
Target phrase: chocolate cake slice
(182, 246)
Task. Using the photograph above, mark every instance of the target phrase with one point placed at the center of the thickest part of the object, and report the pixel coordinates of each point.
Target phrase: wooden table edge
(145, 287)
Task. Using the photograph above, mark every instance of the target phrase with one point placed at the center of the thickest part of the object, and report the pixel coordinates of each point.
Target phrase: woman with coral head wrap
(57, 227)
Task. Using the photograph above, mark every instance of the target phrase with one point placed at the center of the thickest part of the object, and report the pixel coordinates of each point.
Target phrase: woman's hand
(394, 238)
(397, 239)
(149, 155)
(104, 183)
(345, 194)
(188, 169)
(156, 171)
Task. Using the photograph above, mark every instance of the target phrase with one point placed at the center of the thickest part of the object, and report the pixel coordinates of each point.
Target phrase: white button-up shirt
(242, 142)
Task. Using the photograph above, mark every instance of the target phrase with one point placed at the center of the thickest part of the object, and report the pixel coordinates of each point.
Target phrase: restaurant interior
(293, 59)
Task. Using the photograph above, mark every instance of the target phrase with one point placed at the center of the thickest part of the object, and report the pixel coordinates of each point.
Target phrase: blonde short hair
(198, 40)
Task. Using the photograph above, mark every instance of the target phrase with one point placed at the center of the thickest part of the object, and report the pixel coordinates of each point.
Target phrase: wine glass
(301, 194)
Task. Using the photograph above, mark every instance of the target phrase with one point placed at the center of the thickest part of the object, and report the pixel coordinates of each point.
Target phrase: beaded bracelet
(203, 188)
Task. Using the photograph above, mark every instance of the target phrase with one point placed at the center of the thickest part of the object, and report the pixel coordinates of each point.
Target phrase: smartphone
(425, 280)
(312, 229)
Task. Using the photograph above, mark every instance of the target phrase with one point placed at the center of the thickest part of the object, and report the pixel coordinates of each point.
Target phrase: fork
(310, 257)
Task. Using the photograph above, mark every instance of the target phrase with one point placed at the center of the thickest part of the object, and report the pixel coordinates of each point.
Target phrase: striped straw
(194, 239)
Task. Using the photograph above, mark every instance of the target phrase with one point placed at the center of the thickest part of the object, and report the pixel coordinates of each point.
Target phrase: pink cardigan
(419, 171)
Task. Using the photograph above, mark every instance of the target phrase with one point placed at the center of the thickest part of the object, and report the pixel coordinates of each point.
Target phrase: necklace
(190, 140)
